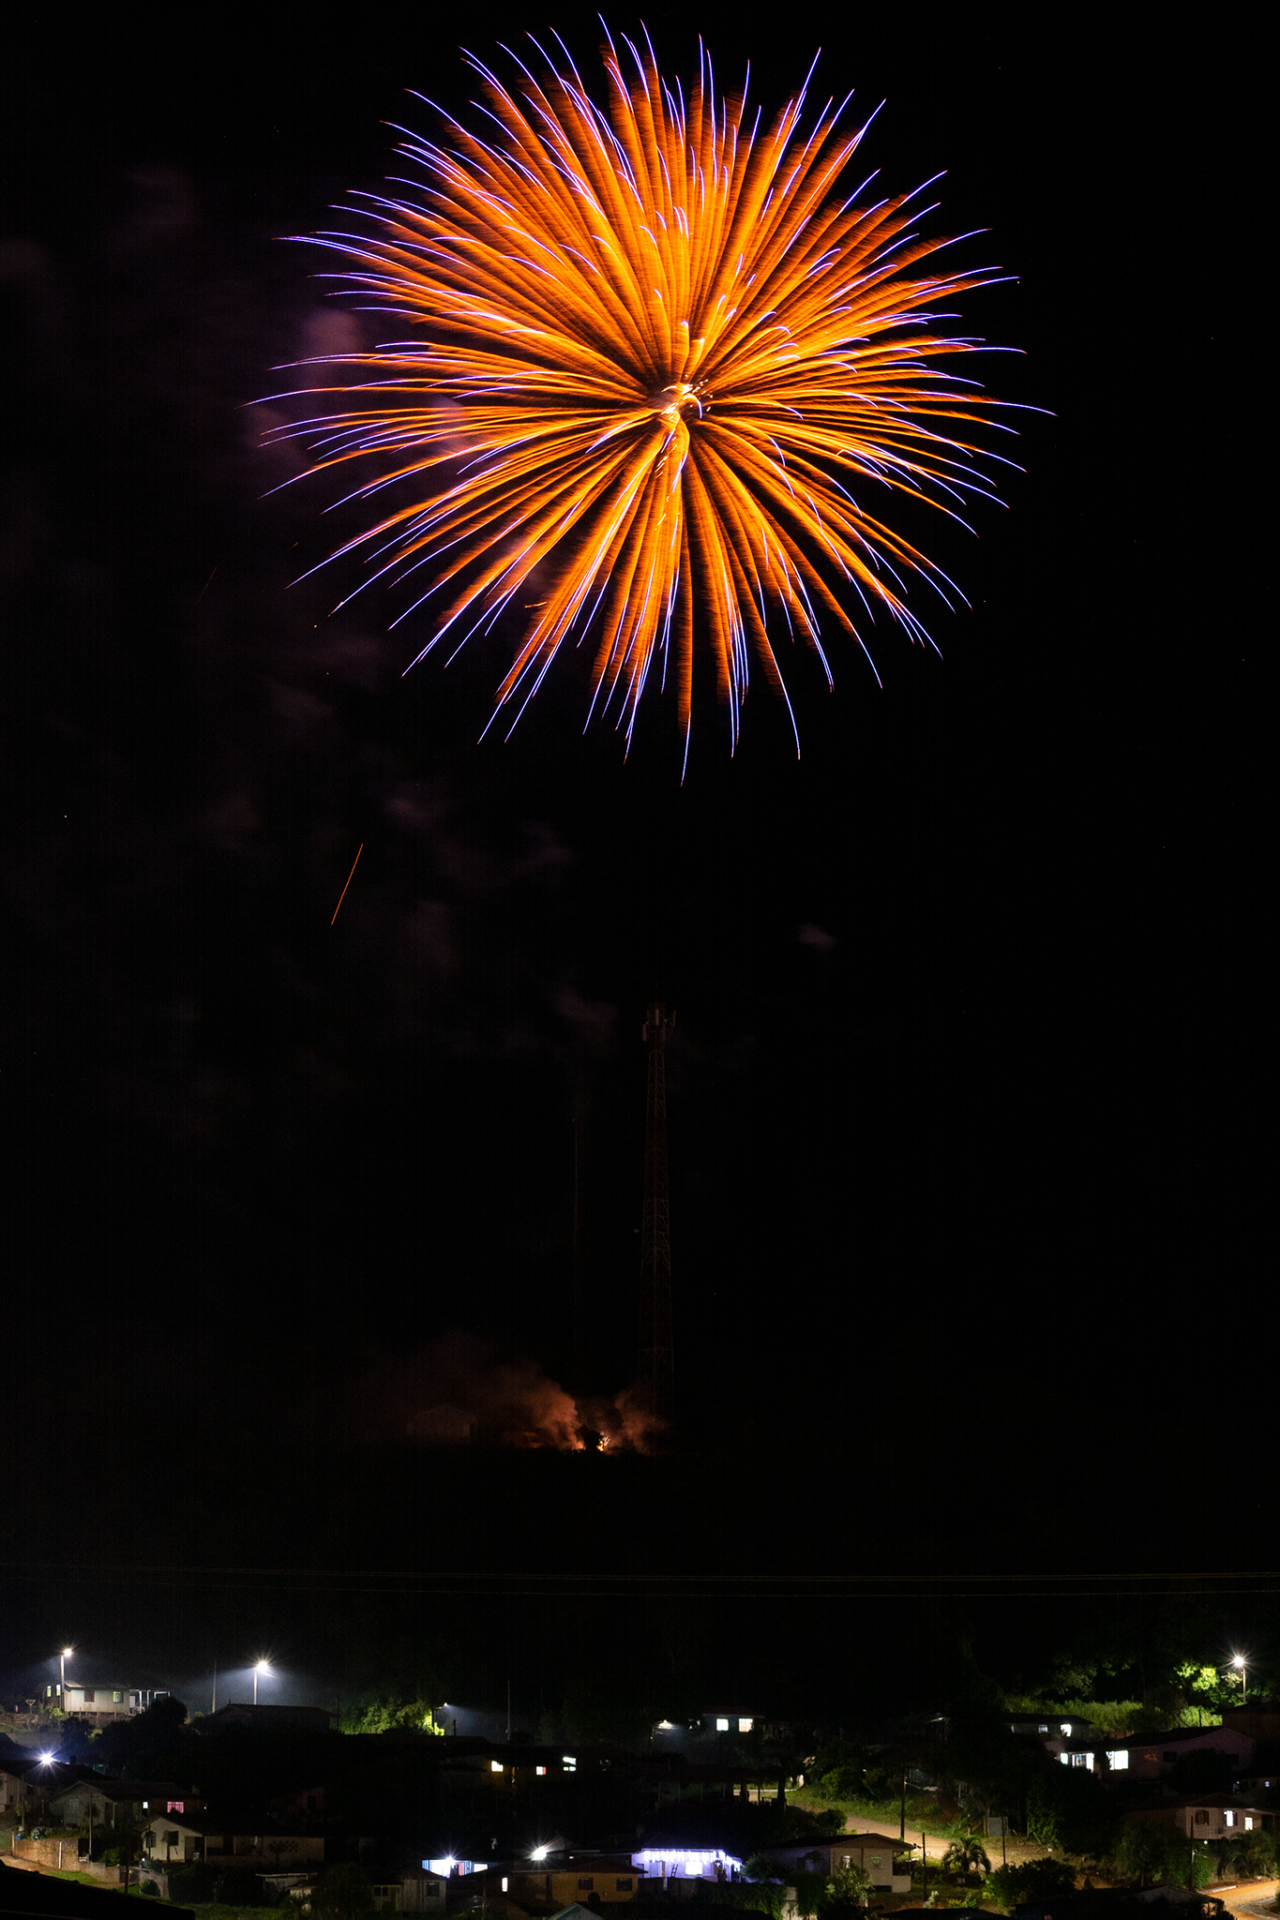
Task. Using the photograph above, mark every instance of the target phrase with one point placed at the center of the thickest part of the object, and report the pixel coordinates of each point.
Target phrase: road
(1251, 1897)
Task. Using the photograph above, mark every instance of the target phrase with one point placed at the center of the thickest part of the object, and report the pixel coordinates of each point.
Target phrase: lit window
(1228, 1817)
(568, 1762)
(1066, 1729)
(1043, 1729)
(539, 1769)
(744, 1726)
(1120, 1760)
(116, 1694)
(1248, 1823)
(504, 1883)
(722, 1726)
(495, 1766)
(1065, 1759)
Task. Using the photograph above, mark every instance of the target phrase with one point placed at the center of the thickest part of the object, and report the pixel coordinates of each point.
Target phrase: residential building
(1153, 1755)
(545, 1887)
(873, 1852)
(174, 1837)
(244, 1714)
(95, 1800)
(416, 1890)
(1206, 1817)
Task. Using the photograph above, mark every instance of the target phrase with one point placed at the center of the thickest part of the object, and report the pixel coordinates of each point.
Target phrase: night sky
(962, 1108)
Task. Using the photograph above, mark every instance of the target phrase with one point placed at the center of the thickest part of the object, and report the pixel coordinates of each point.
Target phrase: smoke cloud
(458, 1391)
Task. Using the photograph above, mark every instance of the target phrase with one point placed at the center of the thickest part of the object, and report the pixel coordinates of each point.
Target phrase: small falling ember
(342, 896)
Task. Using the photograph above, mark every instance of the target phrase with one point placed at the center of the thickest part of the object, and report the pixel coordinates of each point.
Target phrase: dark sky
(962, 1131)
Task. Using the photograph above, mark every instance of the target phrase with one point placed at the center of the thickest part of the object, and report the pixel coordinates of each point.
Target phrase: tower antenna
(657, 1359)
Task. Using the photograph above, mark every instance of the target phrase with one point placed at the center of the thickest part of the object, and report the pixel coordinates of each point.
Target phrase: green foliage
(830, 1822)
(1069, 1808)
(843, 1771)
(342, 1890)
(761, 1891)
(1201, 1770)
(1203, 1869)
(391, 1712)
(847, 1892)
(1115, 1718)
(966, 1856)
(149, 1886)
(1248, 1856)
(810, 1889)
(763, 1869)
(1149, 1854)
(1029, 1880)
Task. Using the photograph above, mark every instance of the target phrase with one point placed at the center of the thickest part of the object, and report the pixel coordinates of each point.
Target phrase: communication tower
(657, 1359)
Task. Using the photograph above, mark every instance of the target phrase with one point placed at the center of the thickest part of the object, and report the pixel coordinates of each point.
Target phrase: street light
(1238, 1660)
(63, 1658)
(263, 1666)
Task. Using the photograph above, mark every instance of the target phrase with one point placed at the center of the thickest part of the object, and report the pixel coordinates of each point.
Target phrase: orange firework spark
(660, 372)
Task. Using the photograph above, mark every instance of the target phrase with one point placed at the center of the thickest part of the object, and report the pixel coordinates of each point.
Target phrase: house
(873, 1852)
(546, 1887)
(1152, 1756)
(1202, 1817)
(417, 1890)
(245, 1714)
(14, 1788)
(305, 1804)
(32, 1783)
(664, 1860)
(102, 1705)
(174, 1837)
(96, 1801)
(1049, 1726)
(1261, 1721)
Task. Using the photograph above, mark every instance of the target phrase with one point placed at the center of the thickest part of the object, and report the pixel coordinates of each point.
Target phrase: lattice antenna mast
(657, 1358)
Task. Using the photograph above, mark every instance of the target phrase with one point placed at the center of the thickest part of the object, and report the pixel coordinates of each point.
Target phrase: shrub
(1013, 1885)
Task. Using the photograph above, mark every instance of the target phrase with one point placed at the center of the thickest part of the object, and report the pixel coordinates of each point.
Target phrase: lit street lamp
(63, 1658)
(263, 1666)
(1238, 1660)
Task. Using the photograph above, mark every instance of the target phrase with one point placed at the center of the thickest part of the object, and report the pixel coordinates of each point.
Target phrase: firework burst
(661, 374)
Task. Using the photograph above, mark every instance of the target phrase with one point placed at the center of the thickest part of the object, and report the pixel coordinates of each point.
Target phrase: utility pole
(656, 1357)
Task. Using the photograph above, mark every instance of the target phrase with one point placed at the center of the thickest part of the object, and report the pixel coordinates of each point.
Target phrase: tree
(341, 1891)
(1068, 1807)
(391, 1712)
(764, 1888)
(1031, 1880)
(847, 1892)
(1201, 1770)
(966, 1856)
